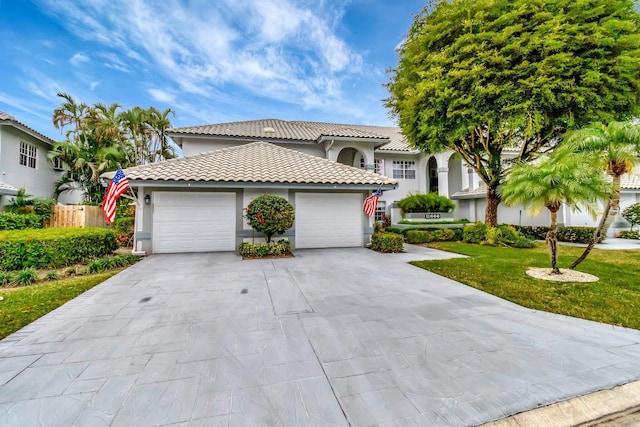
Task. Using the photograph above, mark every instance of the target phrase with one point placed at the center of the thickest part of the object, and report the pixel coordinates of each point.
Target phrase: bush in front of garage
(53, 247)
(260, 250)
(270, 215)
(387, 242)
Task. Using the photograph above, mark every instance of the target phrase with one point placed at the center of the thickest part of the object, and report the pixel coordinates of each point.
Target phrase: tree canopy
(100, 137)
(477, 76)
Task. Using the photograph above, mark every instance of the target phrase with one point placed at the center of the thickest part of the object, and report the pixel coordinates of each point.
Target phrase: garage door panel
(194, 222)
(325, 220)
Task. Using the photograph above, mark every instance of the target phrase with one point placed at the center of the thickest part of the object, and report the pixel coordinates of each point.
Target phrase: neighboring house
(195, 203)
(23, 161)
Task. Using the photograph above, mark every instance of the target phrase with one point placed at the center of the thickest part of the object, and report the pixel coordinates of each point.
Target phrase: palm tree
(564, 177)
(617, 145)
(70, 113)
(159, 122)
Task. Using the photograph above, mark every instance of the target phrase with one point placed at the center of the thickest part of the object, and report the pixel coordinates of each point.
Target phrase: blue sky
(210, 61)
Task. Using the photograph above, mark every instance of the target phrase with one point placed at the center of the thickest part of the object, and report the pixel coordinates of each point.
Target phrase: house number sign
(432, 216)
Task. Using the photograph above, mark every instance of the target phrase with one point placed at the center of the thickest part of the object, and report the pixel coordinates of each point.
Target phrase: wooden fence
(78, 216)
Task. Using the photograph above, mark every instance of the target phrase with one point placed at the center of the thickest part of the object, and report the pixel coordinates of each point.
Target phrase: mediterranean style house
(195, 202)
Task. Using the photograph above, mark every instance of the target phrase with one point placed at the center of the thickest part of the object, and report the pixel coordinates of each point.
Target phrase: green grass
(614, 299)
(22, 306)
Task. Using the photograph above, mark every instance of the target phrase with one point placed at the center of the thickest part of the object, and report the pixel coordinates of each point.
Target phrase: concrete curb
(585, 411)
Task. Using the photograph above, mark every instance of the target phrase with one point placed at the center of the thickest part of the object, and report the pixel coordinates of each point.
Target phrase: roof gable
(7, 119)
(257, 162)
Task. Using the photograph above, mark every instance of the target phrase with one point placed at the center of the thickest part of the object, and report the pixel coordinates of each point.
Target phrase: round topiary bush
(270, 215)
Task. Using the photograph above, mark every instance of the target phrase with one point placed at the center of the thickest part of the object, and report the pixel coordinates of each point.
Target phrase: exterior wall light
(147, 199)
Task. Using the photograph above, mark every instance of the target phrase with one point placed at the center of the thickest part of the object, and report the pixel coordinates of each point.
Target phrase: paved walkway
(330, 337)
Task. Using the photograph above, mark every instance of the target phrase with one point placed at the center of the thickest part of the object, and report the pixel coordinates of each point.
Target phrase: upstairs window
(403, 169)
(27, 155)
(378, 165)
(57, 163)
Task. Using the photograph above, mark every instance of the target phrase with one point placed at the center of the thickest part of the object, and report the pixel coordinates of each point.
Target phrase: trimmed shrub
(25, 277)
(259, 250)
(474, 233)
(270, 215)
(429, 202)
(387, 242)
(576, 234)
(53, 247)
(630, 234)
(15, 221)
(423, 236)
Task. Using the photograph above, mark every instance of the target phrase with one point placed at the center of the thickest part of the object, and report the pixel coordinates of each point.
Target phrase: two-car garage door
(193, 222)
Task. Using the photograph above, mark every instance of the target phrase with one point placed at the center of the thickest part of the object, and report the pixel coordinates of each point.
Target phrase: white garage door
(193, 222)
(325, 220)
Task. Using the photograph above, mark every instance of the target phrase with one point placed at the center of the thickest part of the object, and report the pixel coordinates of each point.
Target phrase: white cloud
(93, 85)
(161, 95)
(279, 49)
(78, 59)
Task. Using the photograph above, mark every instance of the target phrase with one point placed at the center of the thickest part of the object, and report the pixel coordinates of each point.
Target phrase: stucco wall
(38, 182)
(144, 213)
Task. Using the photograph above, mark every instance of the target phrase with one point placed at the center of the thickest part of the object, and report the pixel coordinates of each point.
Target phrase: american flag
(371, 202)
(117, 186)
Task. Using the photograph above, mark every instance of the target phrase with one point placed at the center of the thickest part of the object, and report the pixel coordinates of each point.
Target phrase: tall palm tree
(70, 113)
(564, 177)
(159, 122)
(617, 146)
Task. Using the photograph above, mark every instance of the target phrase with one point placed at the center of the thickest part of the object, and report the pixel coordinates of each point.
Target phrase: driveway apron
(332, 337)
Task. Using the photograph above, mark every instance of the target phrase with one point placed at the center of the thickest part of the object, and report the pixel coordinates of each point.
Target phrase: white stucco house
(23, 161)
(325, 170)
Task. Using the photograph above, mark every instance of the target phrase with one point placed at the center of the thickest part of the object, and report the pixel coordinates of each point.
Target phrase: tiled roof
(259, 162)
(7, 189)
(299, 131)
(4, 117)
(630, 182)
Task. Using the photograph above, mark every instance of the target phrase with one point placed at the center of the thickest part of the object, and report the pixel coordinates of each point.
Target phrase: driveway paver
(331, 337)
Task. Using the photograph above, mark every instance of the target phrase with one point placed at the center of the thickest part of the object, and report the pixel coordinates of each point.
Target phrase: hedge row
(422, 236)
(259, 250)
(626, 234)
(53, 247)
(387, 242)
(565, 234)
(14, 221)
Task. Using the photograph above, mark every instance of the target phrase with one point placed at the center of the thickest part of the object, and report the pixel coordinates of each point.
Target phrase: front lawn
(614, 299)
(21, 306)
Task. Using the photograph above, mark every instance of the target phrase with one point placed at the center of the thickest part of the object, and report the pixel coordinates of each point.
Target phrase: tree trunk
(552, 239)
(609, 214)
(493, 200)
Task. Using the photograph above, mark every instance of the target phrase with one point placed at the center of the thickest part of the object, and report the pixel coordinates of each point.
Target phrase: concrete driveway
(330, 337)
